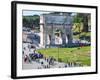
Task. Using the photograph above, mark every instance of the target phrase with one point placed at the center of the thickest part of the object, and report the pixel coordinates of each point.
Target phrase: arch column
(42, 33)
(70, 35)
(64, 36)
(52, 42)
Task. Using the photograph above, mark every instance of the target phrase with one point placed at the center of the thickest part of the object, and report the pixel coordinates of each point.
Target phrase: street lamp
(57, 40)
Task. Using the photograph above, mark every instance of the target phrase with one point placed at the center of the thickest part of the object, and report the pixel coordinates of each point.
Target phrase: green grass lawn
(76, 54)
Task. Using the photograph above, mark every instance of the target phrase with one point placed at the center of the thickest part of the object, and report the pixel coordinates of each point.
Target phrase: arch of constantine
(55, 29)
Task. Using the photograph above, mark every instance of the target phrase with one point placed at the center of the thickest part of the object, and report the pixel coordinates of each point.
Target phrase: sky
(30, 12)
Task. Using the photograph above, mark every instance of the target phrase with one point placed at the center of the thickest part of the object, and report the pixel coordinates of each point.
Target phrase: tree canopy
(31, 21)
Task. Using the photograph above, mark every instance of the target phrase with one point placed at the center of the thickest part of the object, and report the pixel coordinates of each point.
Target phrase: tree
(85, 22)
(85, 19)
(31, 21)
(77, 21)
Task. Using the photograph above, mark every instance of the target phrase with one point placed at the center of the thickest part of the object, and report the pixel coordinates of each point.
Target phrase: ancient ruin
(55, 29)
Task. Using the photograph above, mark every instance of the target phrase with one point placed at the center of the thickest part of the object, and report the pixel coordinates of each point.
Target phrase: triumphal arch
(55, 29)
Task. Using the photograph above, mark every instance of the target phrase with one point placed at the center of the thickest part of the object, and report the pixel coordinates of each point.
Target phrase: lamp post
(58, 49)
(58, 41)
